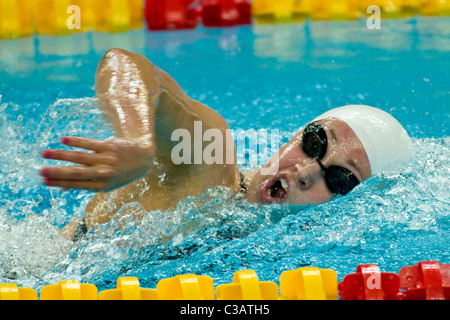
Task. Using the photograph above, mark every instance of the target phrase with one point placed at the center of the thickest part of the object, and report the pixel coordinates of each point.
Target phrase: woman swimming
(330, 156)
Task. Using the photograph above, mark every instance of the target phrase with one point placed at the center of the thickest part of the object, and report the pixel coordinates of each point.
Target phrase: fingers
(88, 144)
(78, 173)
(81, 178)
(94, 173)
(88, 159)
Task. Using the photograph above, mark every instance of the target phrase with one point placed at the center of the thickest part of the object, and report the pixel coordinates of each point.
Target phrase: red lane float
(171, 14)
(369, 283)
(224, 13)
(427, 280)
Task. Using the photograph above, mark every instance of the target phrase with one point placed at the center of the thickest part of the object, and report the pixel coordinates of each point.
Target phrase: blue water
(256, 77)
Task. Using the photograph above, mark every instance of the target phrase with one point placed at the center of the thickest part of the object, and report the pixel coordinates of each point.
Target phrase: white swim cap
(386, 142)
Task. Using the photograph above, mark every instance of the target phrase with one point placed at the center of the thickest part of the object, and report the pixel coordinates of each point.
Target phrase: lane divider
(10, 291)
(186, 287)
(69, 290)
(428, 280)
(309, 284)
(246, 286)
(128, 288)
(22, 18)
(369, 283)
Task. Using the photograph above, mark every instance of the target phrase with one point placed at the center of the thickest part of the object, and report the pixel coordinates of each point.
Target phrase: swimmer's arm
(128, 90)
(134, 94)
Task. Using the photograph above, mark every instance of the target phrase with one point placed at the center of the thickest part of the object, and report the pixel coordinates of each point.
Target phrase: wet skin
(303, 175)
(144, 106)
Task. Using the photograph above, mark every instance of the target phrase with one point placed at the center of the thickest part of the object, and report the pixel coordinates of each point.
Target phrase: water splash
(286, 75)
(392, 219)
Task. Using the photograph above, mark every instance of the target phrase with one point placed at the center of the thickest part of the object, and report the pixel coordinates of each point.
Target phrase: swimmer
(329, 157)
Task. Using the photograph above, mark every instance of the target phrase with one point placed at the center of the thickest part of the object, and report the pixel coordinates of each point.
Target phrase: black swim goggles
(314, 144)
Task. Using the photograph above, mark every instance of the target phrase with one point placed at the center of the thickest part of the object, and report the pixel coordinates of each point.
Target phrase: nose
(308, 173)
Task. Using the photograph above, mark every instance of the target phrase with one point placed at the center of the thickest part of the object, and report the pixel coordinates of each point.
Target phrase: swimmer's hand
(112, 164)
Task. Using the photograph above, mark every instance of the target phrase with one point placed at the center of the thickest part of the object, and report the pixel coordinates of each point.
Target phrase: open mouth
(276, 190)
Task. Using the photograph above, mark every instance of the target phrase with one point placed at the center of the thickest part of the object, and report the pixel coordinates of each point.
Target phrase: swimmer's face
(299, 178)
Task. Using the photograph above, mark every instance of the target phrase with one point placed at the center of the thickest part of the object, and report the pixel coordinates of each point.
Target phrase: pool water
(257, 77)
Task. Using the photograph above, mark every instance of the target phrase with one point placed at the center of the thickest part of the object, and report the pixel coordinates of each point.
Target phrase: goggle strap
(321, 165)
